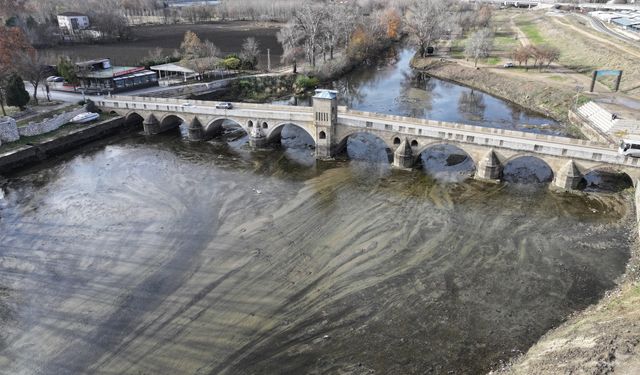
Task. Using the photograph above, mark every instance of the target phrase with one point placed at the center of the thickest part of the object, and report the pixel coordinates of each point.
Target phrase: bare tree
(309, 20)
(426, 23)
(479, 45)
(289, 38)
(111, 24)
(250, 51)
(31, 67)
(552, 54)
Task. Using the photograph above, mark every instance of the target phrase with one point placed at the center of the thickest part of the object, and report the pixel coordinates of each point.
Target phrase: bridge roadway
(330, 126)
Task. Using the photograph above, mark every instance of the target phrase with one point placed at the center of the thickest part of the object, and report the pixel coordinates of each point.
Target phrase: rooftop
(72, 14)
(114, 71)
(172, 67)
(326, 94)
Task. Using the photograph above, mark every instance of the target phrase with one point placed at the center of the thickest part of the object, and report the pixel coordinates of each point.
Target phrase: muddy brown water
(227, 36)
(160, 256)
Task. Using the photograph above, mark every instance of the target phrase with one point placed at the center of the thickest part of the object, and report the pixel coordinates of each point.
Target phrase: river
(155, 255)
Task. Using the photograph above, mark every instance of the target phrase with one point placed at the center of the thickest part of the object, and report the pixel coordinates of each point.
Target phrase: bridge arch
(133, 119)
(446, 161)
(171, 121)
(527, 168)
(275, 132)
(215, 127)
(386, 142)
(606, 177)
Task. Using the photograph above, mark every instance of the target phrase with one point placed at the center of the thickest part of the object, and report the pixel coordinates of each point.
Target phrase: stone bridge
(330, 126)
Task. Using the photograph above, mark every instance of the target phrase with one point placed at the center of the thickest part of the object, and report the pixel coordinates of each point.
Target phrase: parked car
(508, 65)
(55, 79)
(224, 105)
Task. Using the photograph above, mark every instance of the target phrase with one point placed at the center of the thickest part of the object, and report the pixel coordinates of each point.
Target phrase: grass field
(531, 31)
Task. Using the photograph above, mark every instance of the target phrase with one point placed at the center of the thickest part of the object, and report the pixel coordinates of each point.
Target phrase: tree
(205, 58)
(479, 45)
(9, 8)
(289, 38)
(392, 20)
(4, 79)
(250, 52)
(521, 54)
(426, 23)
(32, 67)
(191, 45)
(309, 20)
(17, 96)
(67, 70)
(552, 54)
(12, 41)
(111, 24)
(483, 16)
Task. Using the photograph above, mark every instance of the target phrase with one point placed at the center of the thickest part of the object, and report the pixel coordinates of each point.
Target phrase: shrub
(232, 63)
(307, 82)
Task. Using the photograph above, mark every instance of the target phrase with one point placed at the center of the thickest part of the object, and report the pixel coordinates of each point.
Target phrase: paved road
(600, 26)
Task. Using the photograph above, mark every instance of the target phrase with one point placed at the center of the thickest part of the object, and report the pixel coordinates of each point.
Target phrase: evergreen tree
(67, 70)
(17, 96)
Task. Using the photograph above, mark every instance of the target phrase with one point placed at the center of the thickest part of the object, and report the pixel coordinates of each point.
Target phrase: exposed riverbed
(156, 255)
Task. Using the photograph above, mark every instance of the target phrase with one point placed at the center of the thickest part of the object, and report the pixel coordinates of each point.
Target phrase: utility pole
(268, 59)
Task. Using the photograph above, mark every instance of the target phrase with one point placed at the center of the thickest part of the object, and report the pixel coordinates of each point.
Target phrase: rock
(8, 130)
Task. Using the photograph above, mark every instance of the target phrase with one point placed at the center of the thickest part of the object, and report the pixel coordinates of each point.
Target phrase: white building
(70, 22)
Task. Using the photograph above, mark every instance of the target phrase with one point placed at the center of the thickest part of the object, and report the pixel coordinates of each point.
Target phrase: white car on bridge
(630, 147)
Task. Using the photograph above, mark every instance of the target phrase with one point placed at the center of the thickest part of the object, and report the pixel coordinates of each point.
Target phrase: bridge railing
(200, 103)
(381, 118)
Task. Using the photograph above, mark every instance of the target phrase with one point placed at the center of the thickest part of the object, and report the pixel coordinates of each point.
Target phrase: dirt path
(618, 46)
(522, 37)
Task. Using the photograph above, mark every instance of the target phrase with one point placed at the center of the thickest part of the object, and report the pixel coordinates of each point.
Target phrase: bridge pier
(568, 177)
(151, 125)
(195, 130)
(257, 138)
(489, 167)
(403, 156)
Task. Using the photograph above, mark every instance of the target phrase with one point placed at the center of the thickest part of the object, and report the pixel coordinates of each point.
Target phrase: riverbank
(552, 100)
(602, 339)
(59, 142)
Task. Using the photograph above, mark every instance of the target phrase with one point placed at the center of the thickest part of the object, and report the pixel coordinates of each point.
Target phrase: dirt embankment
(554, 100)
(604, 339)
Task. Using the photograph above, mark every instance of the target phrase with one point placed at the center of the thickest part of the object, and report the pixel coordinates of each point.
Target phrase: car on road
(224, 105)
(508, 65)
(55, 79)
(630, 147)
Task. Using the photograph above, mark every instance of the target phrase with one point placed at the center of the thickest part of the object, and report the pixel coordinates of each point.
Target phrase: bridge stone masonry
(330, 126)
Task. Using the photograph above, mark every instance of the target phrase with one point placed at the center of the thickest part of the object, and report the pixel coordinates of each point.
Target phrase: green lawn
(532, 32)
(491, 60)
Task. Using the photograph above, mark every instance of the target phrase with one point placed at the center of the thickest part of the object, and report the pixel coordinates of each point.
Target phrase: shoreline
(536, 101)
(591, 339)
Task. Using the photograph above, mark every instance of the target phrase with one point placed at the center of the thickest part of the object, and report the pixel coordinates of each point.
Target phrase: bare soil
(227, 36)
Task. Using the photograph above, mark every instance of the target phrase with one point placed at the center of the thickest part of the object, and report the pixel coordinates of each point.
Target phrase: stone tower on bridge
(325, 109)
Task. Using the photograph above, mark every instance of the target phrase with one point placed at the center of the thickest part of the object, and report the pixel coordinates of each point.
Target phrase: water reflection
(393, 87)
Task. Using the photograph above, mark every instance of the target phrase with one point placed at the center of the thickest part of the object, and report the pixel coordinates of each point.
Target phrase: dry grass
(583, 53)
